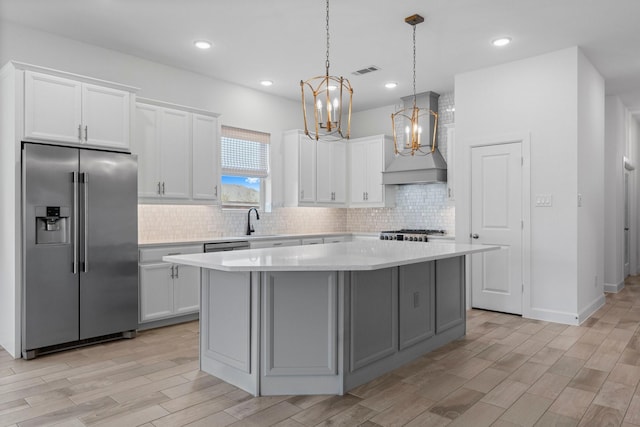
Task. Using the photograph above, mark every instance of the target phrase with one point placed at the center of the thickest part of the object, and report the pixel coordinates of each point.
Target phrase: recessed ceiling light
(202, 44)
(266, 82)
(390, 85)
(502, 41)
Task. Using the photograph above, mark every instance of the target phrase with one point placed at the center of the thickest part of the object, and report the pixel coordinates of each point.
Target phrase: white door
(373, 177)
(358, 169)
(156, 291)
(627, 225)
(175, 154)
(496, 219)
(324, 165)
(205, 157)
(105, 116)
(146, 146)
(186, 289)
(339, 172)
(52, 108)
(307, 169)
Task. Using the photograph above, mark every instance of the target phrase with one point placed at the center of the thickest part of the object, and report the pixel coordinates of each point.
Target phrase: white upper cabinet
(175, 153)
(146, 147)
(63, 110)
(106, 116)
(206, 160)
(306, 169)
(451, 149)
(178, 152)
(331, 164)
(315, 171)
(163, 147)
(368, 158)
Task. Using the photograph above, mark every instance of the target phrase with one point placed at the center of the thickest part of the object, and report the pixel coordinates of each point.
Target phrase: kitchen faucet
(249, 226)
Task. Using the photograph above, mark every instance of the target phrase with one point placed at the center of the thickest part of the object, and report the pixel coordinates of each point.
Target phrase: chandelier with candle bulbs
(410, 142)
(331, 98)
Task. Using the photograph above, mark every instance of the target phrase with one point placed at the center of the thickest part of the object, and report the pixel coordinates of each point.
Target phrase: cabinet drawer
(156, 254)
(274, 243)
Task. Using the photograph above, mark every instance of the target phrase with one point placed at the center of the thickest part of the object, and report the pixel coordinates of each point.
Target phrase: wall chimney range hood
(418, 169)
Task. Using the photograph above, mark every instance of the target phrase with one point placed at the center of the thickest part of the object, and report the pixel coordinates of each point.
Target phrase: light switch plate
(544, 200)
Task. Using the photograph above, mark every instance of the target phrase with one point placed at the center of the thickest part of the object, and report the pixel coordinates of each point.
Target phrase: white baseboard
(591, 308)
(613, 288)
(552, 316)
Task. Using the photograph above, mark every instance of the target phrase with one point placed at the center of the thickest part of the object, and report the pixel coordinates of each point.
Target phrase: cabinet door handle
(162, 187)
(177, 271)
(172, 272)
(215, 191)
(86, 133)
(80, 132)
(159, 188)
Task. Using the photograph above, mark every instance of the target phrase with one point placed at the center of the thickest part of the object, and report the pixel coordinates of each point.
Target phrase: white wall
(591, 131)
(9, 219)
(615, 143)
(238, 106)
(633, 155)
(536, 96)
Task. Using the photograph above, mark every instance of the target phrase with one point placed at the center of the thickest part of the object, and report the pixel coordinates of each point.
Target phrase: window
(245, 165)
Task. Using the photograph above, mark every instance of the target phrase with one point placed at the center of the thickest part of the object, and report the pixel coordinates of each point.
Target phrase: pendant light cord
(327, 62)
(414, 65)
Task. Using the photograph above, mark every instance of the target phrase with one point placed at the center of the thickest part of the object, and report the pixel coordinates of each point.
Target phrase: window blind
(244, 152)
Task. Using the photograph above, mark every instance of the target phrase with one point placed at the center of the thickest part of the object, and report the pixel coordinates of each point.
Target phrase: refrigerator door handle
(85, 220)
(74, 178)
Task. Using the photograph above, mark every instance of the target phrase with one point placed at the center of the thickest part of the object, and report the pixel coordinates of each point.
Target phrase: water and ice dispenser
(52, 224)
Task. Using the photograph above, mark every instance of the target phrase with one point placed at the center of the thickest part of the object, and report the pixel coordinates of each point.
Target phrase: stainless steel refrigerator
(80, 243)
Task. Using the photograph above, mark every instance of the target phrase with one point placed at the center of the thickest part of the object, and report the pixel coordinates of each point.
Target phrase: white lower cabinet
(274, 243)
(168, 290)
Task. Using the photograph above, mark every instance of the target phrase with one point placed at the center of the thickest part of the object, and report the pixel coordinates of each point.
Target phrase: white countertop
(253, 237)
(356, 255)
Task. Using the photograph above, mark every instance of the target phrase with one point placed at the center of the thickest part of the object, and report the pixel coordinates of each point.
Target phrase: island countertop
(347, 256)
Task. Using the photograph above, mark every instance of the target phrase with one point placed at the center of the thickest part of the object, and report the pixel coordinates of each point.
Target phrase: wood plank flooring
(507, 371)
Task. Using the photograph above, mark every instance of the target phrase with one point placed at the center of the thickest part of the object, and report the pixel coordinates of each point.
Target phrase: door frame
(524, 138)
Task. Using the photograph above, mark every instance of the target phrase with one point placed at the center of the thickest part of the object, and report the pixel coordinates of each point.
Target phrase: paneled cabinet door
(358, 169)
(67, 111)
(306, 170)
(186, 289)
(367, 161)
(205, 157)
(105, 116)
(52, 108)
(156, 291)
(331, 172)
(146, 147)
(374, 166)
(175, 154)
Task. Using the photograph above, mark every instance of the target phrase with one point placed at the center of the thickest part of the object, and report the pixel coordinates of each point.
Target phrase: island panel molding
(311, 320)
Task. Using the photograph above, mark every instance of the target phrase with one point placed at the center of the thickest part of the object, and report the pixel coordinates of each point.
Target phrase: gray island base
(326, 318)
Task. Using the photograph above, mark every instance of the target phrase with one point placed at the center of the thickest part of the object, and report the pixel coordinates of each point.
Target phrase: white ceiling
(284, 40)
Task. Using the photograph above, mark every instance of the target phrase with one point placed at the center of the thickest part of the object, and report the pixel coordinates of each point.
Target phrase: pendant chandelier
(409, 141)
(328, 94)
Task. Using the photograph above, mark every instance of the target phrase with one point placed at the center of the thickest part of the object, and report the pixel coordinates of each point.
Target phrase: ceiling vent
(366, 70)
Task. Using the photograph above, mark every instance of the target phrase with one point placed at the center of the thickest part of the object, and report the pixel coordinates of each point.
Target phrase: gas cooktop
(412, 235)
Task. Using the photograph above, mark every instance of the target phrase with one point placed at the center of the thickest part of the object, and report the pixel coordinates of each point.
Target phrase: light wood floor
(506, 372)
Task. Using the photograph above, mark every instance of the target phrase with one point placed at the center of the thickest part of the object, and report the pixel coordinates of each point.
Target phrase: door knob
(475, 235)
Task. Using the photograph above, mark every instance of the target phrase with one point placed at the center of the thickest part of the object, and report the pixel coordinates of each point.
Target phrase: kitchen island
(324, 319)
